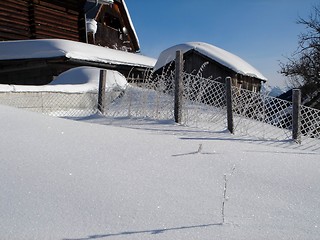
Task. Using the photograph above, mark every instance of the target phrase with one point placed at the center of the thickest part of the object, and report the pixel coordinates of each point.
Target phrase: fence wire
(310, 122)
(262, 116)
(152, 99)
(57, 104)
(204, 103)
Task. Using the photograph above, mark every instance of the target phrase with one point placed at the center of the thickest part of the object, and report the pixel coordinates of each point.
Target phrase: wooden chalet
(67, 20)
(114, 27)
(214, 62)
(38, 19)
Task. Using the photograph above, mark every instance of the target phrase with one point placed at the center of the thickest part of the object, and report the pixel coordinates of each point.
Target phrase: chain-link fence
(261, 116)
(204, 106)
(58, 104)
(204, 103)
(151, 99)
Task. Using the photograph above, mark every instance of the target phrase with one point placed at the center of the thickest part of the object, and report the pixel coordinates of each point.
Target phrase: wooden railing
(112, 38)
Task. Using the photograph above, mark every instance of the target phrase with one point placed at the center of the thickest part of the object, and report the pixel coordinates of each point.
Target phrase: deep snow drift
(75, 80)
(62, 179)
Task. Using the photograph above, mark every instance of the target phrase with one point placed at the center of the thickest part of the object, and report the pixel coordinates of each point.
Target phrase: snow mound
(223, 57)
(87, 79)
(75, 80)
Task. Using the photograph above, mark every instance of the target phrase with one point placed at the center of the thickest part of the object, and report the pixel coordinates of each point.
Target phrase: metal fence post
(102, 91)
(229, 104)
(296, 115)
(178, 92)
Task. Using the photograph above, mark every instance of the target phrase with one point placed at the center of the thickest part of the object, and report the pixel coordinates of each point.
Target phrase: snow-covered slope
(222, 56)
(62, 179)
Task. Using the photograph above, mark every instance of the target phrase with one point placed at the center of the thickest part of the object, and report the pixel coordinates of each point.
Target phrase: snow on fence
(204, 105)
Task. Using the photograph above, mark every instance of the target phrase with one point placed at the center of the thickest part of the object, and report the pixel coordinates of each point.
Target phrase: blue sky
(262, 32)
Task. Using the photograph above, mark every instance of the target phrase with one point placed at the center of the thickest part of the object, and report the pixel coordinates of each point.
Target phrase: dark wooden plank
(16, 3)
(9, 36)
(14, 22)
(65, 7)
(13, 13)
(56, 29)
(53, 20)
(55, 13)
(48, 34)
(11, 33)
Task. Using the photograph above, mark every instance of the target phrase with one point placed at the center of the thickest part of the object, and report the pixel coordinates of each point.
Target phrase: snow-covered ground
(63, 179)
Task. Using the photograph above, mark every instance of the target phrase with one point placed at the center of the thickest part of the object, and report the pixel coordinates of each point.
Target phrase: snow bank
(75, 80)
(223, 57)
(51, 48)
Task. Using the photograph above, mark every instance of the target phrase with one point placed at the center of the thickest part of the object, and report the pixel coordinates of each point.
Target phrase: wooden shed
(219, 64)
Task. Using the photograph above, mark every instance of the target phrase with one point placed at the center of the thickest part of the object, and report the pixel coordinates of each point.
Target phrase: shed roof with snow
(221, 56)
(59, 48)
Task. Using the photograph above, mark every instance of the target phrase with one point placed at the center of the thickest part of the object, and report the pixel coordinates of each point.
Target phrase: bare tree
(303, 67)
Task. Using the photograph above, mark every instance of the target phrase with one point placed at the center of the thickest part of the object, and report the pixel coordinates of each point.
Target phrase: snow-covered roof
(221, 56)
(51, 48)
(131, 23)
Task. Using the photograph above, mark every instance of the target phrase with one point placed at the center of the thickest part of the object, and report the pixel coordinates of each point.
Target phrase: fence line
(58, 104)
(204, 106)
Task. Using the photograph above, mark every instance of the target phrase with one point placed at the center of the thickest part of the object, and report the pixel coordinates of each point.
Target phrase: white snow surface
(64, 179)
(92, 25)
(75, 80)
(222, 56)
(51, 48)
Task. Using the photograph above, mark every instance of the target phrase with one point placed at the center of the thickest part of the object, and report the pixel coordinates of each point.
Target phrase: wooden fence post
(178, 94)
(229, 104)
(296, 115)
(102, 91)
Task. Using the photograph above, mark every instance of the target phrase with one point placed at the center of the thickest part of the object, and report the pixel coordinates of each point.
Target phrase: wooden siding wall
(194, 61)
(38, 19)
(56, 19)
(14, 20)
